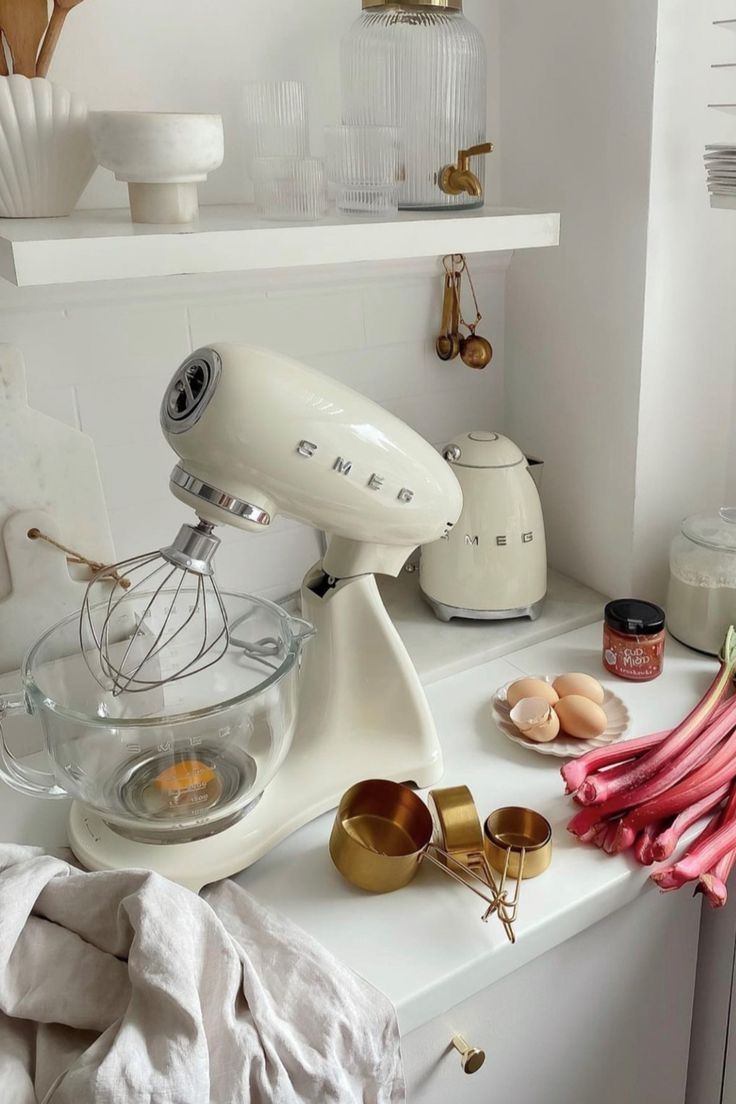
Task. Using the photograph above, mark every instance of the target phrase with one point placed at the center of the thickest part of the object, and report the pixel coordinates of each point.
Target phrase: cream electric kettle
(493, 563)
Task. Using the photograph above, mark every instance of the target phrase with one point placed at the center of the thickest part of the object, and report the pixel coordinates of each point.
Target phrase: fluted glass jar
(420, 67)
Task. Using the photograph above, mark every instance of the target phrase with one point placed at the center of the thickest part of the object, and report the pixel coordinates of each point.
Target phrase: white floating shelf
(105, 245)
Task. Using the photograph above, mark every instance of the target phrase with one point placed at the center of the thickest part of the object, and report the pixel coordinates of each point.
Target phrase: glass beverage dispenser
(421, 66)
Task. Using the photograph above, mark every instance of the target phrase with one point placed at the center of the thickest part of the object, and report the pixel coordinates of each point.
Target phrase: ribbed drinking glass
(365, 165)
(289, 188)
(275, 119)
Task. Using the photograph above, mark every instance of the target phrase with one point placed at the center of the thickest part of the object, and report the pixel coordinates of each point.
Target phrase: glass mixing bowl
(175, 762)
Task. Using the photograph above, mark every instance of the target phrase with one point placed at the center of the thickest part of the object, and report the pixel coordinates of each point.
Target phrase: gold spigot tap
(455, 179)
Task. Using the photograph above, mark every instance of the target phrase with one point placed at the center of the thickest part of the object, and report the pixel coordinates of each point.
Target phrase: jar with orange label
(633, 639)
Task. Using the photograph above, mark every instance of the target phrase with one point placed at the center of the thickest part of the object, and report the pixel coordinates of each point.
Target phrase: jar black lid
(632, 617)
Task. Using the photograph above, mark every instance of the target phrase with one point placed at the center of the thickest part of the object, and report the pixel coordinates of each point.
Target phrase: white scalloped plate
(563, 746)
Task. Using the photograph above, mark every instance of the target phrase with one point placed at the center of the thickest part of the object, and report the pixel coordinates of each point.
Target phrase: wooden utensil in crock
(51, 38)
(23, 23)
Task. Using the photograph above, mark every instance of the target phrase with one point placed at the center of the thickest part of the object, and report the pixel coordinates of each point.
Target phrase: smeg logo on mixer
(343, 466)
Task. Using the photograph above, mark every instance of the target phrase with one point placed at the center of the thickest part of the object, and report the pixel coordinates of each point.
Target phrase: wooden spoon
(58, 15)
(23, 23)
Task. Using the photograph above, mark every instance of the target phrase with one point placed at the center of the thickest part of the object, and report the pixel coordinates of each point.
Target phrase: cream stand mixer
(259, 435)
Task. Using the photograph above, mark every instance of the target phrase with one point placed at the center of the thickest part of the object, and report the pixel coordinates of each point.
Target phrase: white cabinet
(712, 1071)
(602, 1019)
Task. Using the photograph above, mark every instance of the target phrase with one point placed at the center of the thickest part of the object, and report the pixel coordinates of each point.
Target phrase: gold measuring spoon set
(473, 350)
(383, 831)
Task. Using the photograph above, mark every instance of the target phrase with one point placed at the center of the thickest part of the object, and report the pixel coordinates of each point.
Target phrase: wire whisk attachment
(182, 629)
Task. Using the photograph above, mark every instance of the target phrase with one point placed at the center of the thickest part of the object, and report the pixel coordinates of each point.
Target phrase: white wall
(100, 357)
(687, 435)
(621, 343)
(577, 84)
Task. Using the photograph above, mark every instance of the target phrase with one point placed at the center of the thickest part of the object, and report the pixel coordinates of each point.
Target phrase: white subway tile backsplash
(138, 470)
(140, 524)
(392, 371)
(124, 411)
(443, 416)
(271, 561)
(402, 312)
(99, 344)
(293, 323)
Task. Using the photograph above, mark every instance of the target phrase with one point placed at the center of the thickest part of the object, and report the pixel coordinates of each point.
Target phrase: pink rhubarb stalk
(701, 858)
(610, 772)
(687, 761)
(705, 780)
(662, 786)
(668, 839)
(713, 883)
(679, 767)
(644, 841)
(681, 737)
(714, 887)
(577, 770)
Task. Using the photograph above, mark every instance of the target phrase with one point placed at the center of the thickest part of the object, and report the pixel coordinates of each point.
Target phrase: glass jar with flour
(701, 600)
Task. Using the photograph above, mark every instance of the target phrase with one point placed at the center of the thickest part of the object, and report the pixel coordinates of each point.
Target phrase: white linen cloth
(121, 987)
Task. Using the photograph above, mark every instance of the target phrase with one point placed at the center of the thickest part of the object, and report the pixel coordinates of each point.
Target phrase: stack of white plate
(720, 169)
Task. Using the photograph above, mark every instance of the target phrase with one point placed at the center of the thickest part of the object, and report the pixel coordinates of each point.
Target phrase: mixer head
(126, 654)
(258, 435)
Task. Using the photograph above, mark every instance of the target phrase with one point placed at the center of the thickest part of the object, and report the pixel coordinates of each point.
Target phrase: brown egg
(536, 719)
(580, 717)
(530, 688)
(584, 685)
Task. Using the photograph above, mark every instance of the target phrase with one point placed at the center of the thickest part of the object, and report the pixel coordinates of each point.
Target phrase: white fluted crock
(46, 157)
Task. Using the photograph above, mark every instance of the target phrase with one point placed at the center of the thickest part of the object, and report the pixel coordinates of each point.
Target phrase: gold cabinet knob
(471, 1059)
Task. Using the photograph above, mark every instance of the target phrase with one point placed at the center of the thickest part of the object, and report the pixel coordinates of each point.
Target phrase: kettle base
(446, 613)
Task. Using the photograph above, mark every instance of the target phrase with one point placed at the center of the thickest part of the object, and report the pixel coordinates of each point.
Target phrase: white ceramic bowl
(161, 156)
(46, 158)
(151, 147)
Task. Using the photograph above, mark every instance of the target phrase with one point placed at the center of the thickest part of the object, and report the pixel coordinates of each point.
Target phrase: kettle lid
(481, 448)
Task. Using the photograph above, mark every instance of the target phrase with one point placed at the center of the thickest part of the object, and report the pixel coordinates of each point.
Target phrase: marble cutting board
(49, 479)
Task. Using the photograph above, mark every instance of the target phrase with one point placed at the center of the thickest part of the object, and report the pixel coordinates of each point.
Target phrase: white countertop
(425, 946)
(439, 648)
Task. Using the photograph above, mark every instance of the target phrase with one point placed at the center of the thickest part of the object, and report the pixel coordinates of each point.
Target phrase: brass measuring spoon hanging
(447, 344)
(474, 350)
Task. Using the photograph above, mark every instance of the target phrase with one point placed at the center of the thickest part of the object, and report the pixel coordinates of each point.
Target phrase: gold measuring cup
(381, 835)
(518, 844)
(461, 835)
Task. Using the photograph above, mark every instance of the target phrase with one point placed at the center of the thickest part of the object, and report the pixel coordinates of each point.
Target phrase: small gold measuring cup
(381, 835)
(461, 835)
(518, 844)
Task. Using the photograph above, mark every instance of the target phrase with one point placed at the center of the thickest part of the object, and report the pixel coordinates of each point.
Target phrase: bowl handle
(20, 776)
(301, 630)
